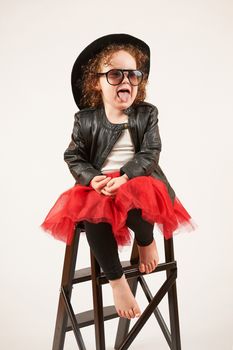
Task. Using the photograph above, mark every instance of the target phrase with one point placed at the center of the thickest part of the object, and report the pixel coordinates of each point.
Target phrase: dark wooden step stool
(67, 320)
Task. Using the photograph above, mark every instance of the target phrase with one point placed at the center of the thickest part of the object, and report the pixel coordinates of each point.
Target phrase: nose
(126, 76)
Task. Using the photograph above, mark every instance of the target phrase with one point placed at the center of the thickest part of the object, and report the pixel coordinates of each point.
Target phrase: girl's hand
(98, 182)
(112, 186)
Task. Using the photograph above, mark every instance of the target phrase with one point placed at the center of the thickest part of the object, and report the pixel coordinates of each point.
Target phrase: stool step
(86, 318)
(84, 275)
(131, 271)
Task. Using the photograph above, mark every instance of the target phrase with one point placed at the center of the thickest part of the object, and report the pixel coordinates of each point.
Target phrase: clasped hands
(107, 185)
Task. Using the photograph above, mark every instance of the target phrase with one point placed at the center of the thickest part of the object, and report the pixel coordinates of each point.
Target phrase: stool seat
(68, 321)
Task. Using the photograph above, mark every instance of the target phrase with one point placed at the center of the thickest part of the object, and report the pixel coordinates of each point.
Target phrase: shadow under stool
(68, 321)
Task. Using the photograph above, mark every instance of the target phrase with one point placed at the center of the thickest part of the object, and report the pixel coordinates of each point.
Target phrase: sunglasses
(116, 76)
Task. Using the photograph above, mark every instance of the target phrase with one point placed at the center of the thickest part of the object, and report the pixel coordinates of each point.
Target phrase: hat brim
(93, 49)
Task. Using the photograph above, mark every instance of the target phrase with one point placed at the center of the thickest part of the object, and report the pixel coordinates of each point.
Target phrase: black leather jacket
(94, 135)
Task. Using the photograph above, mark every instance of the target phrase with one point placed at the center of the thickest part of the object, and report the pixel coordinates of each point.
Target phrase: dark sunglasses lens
(114, 76)
(135, 77)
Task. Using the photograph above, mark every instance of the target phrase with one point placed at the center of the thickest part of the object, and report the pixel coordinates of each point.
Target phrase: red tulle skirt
(145, 192)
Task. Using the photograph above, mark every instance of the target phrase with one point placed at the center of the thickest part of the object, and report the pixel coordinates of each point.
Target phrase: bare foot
(149, 257)
(125, 303)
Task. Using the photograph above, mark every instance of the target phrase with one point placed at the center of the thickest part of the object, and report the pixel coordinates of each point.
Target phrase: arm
(146, 160)
(76, 156)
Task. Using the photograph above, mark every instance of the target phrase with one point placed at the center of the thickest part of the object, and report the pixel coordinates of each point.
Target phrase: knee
(132, 217)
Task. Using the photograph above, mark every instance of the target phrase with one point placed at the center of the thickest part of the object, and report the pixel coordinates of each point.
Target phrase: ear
(97, 86)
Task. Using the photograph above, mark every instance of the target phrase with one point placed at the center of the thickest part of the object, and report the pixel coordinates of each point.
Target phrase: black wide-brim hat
(93, 49)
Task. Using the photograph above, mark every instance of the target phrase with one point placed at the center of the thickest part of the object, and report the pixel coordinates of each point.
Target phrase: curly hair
(91, 96)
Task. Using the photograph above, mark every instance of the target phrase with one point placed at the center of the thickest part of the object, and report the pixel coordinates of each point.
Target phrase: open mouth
(124, 94)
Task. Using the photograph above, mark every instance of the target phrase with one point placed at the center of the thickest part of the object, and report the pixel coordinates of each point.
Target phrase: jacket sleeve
(146, 160)
(76, 156)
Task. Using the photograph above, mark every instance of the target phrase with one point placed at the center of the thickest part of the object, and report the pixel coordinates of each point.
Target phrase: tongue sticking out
(124, 96)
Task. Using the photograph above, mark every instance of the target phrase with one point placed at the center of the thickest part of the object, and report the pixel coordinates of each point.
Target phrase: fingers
(98, 184)
(99, 177)
(110, 183)
(104, 181)
(108, 193)
(101, 180)
(106, 185)
(111, 187)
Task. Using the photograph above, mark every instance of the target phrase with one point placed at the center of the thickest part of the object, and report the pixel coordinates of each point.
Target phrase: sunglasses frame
(122, 71)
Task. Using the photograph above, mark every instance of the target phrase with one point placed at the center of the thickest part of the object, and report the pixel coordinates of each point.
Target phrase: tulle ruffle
(81, 203)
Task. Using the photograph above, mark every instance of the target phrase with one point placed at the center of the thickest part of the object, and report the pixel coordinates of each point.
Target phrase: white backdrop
(190, 83)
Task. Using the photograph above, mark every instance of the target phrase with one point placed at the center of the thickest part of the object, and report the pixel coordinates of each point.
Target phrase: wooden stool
(67, 320)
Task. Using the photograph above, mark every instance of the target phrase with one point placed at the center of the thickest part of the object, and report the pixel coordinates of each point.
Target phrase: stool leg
(172, 299)
(98, 304)
(66, 283)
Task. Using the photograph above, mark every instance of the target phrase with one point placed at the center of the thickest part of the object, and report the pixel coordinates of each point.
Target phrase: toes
(137, 312)
(127, 314)
(142, 268)
(153, 265)
(156, 262)
(120, 313)
(147, 268)
(131, 313)
(150, 267)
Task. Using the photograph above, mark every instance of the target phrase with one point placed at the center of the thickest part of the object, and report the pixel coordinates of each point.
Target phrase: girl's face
(113, 99)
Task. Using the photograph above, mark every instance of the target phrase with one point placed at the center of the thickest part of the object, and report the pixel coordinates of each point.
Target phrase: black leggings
(104, 246)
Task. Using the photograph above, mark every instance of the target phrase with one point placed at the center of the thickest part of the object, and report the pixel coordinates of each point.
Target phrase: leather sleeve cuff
(86, 176)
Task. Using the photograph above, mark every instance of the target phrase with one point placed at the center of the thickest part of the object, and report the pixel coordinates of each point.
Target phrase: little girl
(114, 158)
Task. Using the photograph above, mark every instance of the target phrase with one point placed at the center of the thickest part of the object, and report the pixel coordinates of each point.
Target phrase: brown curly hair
(91, 96)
